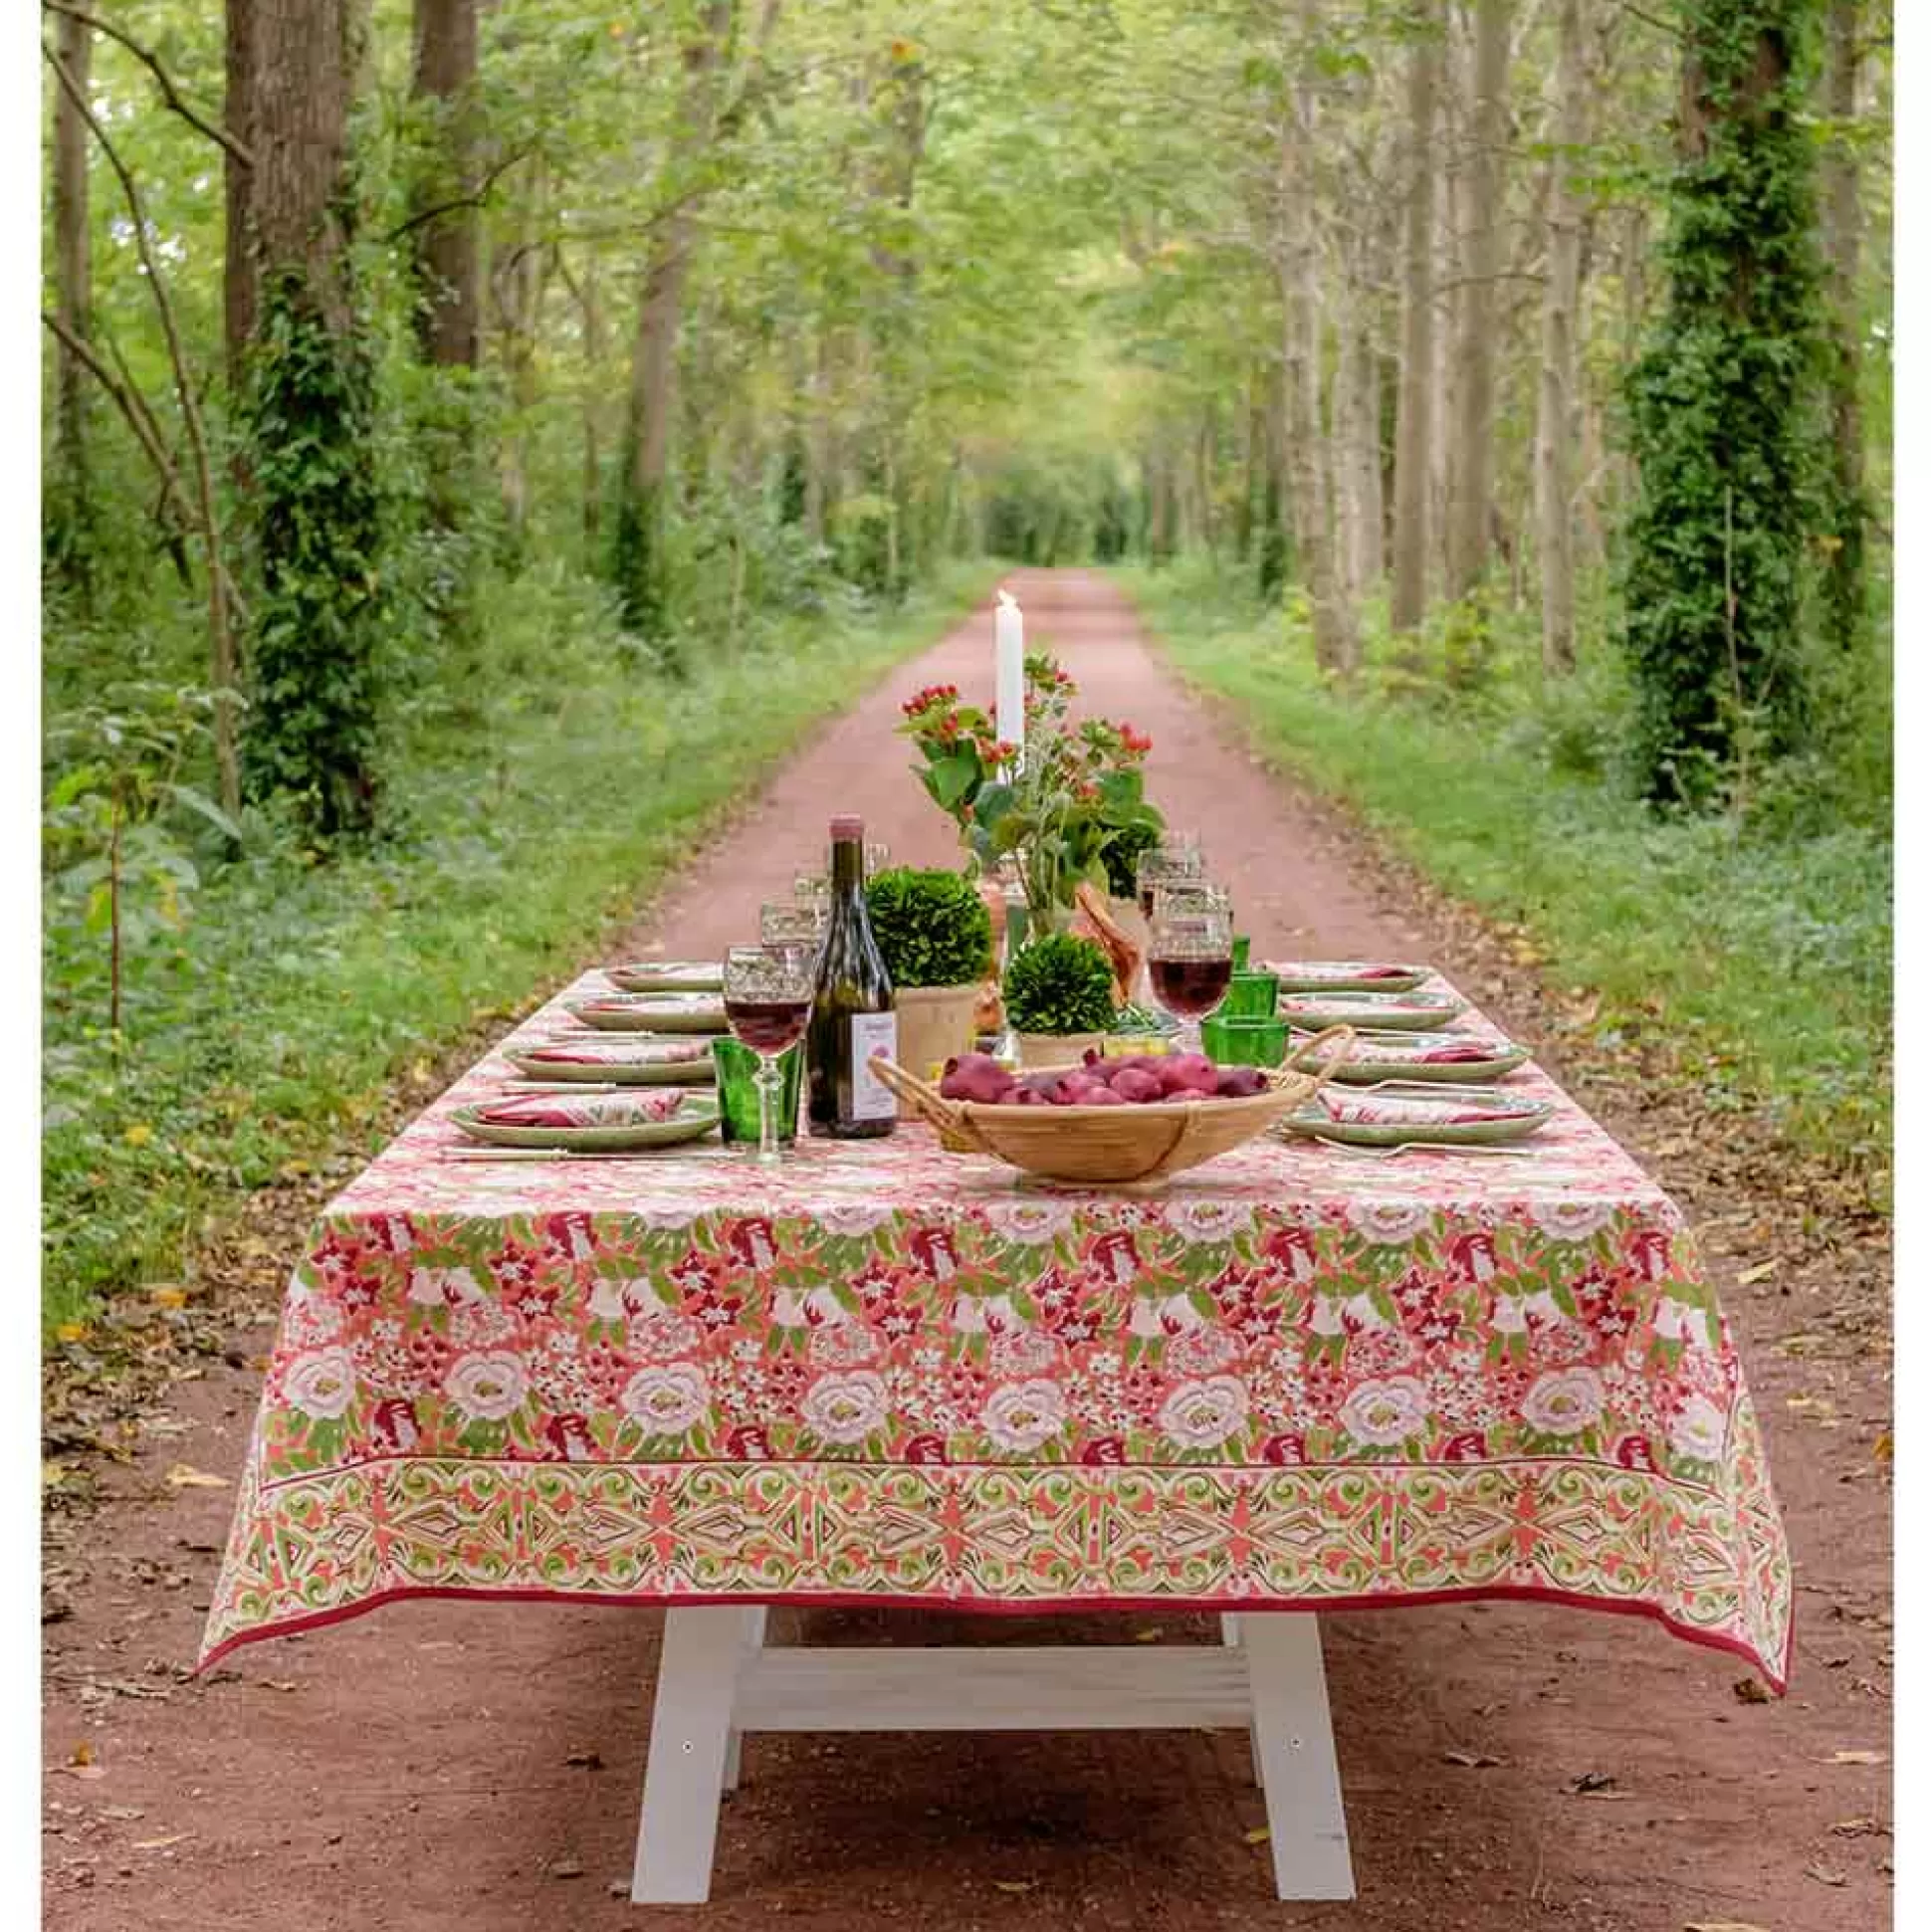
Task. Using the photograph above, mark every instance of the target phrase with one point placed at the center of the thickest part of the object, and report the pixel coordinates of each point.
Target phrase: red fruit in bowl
(1099, 1096)
(1242, 1083)
(1137, 1084)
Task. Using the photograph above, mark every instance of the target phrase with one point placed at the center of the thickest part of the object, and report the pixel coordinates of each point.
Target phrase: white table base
(718, 1680)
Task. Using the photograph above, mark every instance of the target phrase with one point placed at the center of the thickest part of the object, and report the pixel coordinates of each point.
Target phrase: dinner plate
(1373, 1057)
(628, 1063)
(600, 1122)
(1390, 1010)
(667, 975)
(652, 1012)
(1471, 1117)
(1344, 975)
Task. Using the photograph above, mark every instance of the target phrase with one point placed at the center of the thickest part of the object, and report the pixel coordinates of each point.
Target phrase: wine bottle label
(871, 1098)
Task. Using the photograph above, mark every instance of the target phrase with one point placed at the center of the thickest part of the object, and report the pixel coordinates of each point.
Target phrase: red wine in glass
(768, 1025)
(1192, 988)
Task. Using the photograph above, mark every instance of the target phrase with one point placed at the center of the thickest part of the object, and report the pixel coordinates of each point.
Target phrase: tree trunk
(71, 519)
(1472, 485)
(594, 347)
(311, 388)
(1556, 392)
(1842, 243)
(1413, 438)
(239, 280)
(653, 364)
(445, 235)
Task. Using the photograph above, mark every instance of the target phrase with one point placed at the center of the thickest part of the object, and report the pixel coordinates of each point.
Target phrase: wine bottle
(852, 1012)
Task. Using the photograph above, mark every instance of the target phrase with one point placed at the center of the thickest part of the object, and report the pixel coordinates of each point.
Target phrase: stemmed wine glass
(1174, 860)
(1189, 952)
(768, 999)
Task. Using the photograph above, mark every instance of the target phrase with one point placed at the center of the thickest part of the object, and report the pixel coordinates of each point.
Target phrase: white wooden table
(717, 1679)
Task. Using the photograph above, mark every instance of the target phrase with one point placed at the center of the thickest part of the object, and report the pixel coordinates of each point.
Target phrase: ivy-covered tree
(1724, 410)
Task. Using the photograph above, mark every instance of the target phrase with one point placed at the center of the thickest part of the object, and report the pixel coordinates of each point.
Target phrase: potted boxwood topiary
(936, 937)
(1058, 998)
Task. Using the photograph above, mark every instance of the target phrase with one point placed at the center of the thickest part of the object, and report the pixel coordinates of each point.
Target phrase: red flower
(747, 1443)
(1474, 1255)
(1291, 1248)
(1633, 1453)
(531, 1300)
(933, 1249)
(568, 1439)
(1470, 1446)
(1650, 1252)
(395, 1425)
(1105, 1452)
(926, 1451)
(752, 1243)
(1285, 1451)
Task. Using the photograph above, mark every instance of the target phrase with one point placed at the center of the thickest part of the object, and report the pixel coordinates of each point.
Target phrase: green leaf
(200, 802)
(953, 777)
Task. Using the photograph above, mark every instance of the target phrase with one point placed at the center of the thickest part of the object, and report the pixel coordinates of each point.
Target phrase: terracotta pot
(935, 1023)
(1057, 1050)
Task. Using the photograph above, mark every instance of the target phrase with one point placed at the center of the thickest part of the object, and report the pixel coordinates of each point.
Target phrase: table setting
(1115, 1273)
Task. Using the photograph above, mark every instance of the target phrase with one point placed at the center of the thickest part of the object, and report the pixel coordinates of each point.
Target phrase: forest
(480, 435)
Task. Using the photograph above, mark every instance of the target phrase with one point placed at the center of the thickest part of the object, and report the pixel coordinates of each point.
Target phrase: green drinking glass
(1244, 1042)
(1251, 995)
(737, 1091)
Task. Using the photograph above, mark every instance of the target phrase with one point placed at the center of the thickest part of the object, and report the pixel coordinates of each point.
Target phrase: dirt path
(437, 1765)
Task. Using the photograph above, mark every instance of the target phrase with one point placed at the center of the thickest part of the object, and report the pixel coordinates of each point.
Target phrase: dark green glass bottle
(852, 1011)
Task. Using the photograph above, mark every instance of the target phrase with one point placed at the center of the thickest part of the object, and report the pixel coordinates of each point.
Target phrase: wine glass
(1176, 859)
(792, 922)
(768, 999)
(1189, 952)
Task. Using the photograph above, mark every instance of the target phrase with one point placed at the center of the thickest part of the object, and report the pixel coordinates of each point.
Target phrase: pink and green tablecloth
(888, 1374)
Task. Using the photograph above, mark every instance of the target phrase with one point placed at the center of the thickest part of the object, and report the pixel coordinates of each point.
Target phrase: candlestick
(1009, 637)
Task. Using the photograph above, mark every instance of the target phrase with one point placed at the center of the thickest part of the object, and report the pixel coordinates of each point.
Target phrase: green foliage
(933, 928)
(1755, 950)
(319, 610)
(1060, 983)
(1723, 413)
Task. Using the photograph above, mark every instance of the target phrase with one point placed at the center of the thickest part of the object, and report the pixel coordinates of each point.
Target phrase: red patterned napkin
(1440, 1055)
(553, 1110)
(595, 1053)
(1407, 1113)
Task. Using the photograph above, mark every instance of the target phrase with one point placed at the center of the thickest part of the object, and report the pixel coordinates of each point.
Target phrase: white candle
(1009, 637)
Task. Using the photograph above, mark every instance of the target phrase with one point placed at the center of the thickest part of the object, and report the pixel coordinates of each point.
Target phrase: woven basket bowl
(1115, 1144)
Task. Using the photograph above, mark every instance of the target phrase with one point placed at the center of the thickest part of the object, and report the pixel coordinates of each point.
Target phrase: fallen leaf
(587, 1759)
(83, 1754)
(1146, 1636)
(1761, 1273)
(138, 1134)
(183, 1475)
(1591, 1782)
(128, 1813)
(169, 1297)
(1854, 1758)
(1856, 1828)
(1823, 1875)
(280, 1684)
(157, 1844)
(1749, 1691)
(1258, 1835)
(563, 1868)
(1472, 1760)
(70, 1332)
(1880, 1450)
(1013, 1884)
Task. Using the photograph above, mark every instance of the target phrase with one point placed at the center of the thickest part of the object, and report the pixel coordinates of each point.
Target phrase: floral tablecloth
(888, 1374)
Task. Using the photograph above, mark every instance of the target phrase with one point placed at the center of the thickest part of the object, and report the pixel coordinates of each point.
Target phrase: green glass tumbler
(737, 1091)
(1251, 995)
(1244, 1042)
(1241, 945)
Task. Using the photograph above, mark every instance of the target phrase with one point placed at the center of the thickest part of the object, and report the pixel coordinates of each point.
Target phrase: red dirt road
(438, 1765)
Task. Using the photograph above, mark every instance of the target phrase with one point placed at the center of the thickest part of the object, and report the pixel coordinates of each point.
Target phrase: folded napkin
(1407, 1113)
(1442, 1055)
(594, 1053)
(553, 1110)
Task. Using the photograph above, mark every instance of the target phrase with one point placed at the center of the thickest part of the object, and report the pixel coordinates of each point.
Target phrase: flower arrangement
(1059, 985)
(1076, 808)
(932, 926)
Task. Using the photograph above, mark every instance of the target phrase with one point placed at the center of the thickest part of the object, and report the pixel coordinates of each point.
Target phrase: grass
(1760, 950)
(265, 1029)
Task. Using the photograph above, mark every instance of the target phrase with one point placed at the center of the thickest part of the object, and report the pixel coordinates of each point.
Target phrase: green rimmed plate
(1379, 1012)
(1374, 1057)
(625, 1063)
(667, 975)
(1476, 1117)
(652, 1012)
(1344, 975)
(612, 1124)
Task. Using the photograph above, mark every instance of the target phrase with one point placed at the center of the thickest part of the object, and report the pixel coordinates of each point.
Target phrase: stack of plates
(594, 1124)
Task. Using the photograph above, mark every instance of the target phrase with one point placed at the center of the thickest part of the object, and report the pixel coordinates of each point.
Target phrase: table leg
(1294, 1752)
(697, 1679)
(735, 1742)
(1231, 1636)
